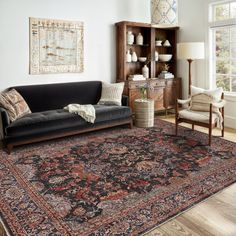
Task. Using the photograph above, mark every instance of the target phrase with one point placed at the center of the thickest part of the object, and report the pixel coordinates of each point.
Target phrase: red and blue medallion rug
(112, 182)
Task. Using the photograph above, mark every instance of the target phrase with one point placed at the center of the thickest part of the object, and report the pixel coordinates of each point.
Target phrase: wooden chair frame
(209, 125)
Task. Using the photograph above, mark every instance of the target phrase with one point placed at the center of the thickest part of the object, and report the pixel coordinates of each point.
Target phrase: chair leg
(210, 133)
(176, 127)
(192, 126)
(223, 131)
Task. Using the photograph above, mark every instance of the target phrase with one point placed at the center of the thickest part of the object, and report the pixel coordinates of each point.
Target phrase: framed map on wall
(56, 46)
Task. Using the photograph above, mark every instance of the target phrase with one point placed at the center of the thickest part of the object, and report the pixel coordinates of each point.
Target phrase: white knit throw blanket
(87, 112)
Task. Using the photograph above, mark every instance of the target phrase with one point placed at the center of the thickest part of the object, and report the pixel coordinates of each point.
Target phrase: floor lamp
(190, 52)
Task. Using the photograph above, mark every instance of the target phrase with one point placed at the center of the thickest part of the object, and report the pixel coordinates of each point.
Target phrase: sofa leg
(9, 148)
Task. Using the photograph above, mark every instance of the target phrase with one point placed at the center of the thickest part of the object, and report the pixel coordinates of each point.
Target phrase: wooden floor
(215, 216)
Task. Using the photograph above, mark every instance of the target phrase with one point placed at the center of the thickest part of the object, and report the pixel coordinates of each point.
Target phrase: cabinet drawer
(158, 83)
(136, 85)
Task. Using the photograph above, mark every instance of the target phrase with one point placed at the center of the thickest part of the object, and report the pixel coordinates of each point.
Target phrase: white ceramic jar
(156, 55)
(145, 72)
(130, 37)
(139, 39)
(134, 57)
(128, 56)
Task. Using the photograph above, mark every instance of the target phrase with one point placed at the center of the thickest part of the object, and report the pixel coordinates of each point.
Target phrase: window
(223, 45)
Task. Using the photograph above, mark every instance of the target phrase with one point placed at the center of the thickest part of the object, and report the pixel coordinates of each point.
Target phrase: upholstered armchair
(204, 108)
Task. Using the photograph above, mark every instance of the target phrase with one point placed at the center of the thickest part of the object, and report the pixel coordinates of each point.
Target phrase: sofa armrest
(4, 120)
(125, 100)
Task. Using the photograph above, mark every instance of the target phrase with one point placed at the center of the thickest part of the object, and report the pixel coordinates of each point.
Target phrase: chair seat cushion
(200, 116)
(46, 121)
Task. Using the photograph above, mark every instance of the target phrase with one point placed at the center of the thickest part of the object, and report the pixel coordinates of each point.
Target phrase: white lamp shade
(190, 50)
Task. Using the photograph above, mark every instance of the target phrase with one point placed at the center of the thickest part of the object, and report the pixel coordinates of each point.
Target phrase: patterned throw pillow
(201, 102)
(111, 94)
(14, 104)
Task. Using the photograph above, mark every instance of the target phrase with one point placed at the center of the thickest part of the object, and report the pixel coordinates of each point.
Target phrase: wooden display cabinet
(164, 91)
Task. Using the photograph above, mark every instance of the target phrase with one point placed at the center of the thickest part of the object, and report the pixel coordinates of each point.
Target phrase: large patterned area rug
(112, 182)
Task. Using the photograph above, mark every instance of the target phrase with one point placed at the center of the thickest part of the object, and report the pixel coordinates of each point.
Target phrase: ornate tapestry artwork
(56, 46)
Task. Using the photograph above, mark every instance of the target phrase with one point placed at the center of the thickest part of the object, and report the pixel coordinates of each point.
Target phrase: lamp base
(189, 76)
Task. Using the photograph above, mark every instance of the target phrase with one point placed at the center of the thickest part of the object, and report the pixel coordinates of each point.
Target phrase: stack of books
(166, 75)
(136, 77)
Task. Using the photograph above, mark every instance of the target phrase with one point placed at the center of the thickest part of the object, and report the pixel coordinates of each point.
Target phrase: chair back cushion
(201, 102)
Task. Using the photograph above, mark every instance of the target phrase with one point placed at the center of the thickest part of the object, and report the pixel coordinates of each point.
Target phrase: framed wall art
(56, 46)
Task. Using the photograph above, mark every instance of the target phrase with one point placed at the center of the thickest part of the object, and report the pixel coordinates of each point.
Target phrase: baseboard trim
(230, 122)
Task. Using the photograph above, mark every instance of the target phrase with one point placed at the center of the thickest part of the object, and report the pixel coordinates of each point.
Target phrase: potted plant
(165, 68)
(159, 41)
(143, 89)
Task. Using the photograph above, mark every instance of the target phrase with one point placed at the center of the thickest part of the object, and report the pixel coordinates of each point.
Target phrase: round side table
(144, 112)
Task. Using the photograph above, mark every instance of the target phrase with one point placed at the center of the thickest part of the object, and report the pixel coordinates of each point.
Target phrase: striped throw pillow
(111, 94)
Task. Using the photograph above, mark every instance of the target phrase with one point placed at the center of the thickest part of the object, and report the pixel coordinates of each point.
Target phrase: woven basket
(144, 113)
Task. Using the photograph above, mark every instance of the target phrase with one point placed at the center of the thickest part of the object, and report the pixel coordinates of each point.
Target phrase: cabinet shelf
(138, 45)
(172, 61)
(133, 62)
(161, 46)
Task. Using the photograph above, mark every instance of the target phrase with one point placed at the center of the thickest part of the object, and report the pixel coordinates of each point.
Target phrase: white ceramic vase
(145, 72)
(134, 57)
(156, 55)
(130, 38)
(139, 39)
(128, 56)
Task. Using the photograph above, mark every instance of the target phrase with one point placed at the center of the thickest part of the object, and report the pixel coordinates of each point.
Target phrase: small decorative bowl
(142, 59)
(165, 57)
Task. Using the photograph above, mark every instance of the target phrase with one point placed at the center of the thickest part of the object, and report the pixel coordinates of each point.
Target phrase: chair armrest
(4, 119)
(180, 101)
(220, 104)
(125, 100)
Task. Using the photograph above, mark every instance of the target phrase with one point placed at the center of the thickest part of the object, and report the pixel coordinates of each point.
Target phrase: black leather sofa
(48, 120)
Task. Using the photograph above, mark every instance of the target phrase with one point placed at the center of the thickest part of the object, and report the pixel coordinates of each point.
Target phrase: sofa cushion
(14, 104)
(46, 121)
(56, 96)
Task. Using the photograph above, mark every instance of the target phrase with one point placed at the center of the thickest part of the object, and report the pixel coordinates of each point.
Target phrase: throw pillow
(14, 104)
(196, 90)
(201, 102)
(215, 93)
(111, 94)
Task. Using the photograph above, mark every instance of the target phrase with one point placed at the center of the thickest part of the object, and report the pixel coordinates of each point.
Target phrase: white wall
(99, 42)
(193, 21)
(192, 29)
